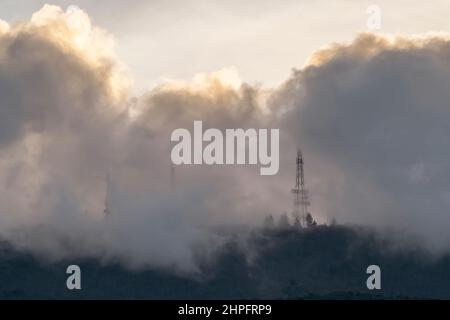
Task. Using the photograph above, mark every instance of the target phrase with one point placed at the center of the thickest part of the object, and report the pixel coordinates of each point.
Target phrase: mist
(370, 116)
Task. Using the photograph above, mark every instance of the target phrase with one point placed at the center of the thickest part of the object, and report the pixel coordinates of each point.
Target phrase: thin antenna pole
(107, 210)
(172, 170)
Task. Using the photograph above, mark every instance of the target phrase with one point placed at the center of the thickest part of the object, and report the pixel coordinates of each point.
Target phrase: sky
(90, 96)
(263, 40)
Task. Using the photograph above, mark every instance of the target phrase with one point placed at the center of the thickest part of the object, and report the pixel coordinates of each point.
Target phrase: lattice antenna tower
(301, 199)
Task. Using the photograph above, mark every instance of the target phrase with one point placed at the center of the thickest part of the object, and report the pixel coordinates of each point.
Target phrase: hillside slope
(321, 262)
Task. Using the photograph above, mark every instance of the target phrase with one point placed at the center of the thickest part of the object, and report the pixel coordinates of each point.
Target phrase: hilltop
(323, 262)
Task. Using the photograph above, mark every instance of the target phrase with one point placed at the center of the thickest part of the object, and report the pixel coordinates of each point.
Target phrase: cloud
(4, 27)
(371, 116)
(374, 113)
(68, 125)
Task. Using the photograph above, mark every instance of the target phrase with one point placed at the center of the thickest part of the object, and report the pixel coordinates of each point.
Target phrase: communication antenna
(301, 201)
(172, 171)
(107, 210)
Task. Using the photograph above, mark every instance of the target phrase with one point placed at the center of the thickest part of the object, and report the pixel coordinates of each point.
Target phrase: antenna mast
(301, 201)
(107, 210)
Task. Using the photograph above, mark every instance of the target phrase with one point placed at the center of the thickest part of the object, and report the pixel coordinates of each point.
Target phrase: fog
(370, 115)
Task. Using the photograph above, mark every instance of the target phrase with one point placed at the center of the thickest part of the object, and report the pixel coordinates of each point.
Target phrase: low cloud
(374, 113)
(73, 141)
(370, 115)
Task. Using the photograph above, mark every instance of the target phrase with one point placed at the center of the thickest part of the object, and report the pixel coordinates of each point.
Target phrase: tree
(269, 222)
(333, 221)
(310, 221)
(283, 223)
(297, 224)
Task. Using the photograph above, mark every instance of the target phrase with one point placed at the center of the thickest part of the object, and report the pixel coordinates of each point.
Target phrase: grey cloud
(64, 130)
(371, 117)
(376, 114)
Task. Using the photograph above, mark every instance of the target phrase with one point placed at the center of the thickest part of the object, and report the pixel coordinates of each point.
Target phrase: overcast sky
(262, 39)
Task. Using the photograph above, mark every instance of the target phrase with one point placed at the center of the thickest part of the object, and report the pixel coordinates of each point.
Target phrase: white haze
(371, 116)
